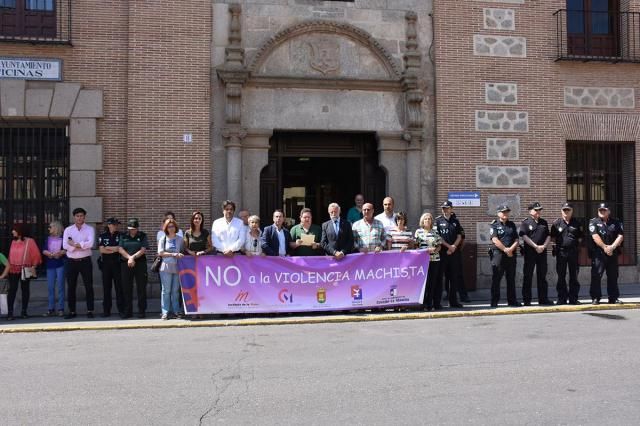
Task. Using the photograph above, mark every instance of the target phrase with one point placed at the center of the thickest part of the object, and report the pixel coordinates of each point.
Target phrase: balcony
(35, 21)
(611, 36)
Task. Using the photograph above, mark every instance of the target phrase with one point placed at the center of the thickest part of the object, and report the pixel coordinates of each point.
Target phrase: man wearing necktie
(337, 237)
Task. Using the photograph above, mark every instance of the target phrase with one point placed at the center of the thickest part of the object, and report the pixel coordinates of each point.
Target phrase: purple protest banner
(242, 284)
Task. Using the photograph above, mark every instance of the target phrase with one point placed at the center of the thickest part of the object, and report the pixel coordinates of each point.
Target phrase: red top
(16, 254)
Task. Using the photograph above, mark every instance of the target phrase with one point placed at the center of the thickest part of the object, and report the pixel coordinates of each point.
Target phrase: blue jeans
(56, 276)
(170, 292)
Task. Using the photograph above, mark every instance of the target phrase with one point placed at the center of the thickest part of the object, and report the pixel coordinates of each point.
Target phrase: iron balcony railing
(35, 21)
(585, 35)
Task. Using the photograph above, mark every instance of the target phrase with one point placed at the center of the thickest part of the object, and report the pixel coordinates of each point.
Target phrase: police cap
(535, 206)
(603, 206)
(503, 208)
(112, 221)
(447, 205)
(133, 224)
(567, 206)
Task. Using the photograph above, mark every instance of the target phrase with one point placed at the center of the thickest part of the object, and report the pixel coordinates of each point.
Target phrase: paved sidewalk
(479, 306)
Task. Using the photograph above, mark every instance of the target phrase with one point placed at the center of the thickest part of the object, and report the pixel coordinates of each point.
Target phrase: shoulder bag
(27, 272)
(157, 261)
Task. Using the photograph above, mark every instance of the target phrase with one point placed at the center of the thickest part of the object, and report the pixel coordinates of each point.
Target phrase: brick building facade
(537, 101)
(182, 105)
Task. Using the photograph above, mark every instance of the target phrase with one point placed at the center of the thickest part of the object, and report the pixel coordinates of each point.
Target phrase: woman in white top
(427, 237)
(252, 245)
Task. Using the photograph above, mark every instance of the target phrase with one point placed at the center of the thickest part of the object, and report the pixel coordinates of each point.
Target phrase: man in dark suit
(276, 238)
(337, 237)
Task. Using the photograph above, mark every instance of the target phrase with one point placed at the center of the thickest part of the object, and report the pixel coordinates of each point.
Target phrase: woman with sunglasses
(170, 249)
(252, 245)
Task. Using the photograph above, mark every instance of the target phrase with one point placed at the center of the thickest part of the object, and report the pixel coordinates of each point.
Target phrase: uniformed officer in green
(133, 245)
(305, 227)
(606, 233)
(504, 243)
(109, 247)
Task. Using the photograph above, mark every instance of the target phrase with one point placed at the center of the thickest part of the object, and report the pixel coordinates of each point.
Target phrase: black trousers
(450, 269)
(139, 274)
(503, 265)
(537, 261)
(84, 267)
(567, 259)
(112, 278)
(462, 291)
(14, 281)
(601, 263)
(433, 286)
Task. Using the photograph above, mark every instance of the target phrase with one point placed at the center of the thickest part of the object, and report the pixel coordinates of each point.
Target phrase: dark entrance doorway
(313, 169)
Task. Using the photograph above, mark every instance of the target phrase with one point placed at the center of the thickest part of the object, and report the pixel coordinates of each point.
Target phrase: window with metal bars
(34, 179)
(603, 172)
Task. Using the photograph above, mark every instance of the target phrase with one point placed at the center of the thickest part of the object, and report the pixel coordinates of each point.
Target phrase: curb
(395, 316)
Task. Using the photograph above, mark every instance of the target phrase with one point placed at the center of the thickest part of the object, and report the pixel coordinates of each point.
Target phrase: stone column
(392, 156)
(255, 156)
(234, 162)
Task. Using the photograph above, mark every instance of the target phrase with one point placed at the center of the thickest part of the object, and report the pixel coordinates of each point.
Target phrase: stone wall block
(89, 104)
(511, 200)
(85, 157)
(82, 183)
(599, 97)
(38, 102)
(502, 176)
(502, 46)
(12, 94)
(482, 234)
(503, 149)
(499, 19)
(93, 206)
(501, 93)
(82, 131)
(502, 121)
(64, 98)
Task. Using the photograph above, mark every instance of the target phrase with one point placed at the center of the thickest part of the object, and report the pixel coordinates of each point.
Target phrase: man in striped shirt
(368, 232)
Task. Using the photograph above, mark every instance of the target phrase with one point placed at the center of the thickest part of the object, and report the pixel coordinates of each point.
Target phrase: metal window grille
(603, 172)
(34, 179)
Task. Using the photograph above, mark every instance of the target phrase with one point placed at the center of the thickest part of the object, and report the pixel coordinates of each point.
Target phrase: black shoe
(10, 317)
(616, 302)
(575, 302)
(438, 308)
(445, 296)
(527, 303)
(465, 299)
(494, 304)
(24, 315)
(106, 314)
(70, 315)
(125, 316)
(561, 302)
(456, 305)
(428, 308)
(546, 303)
(89, 314)
(517, 304)
(142, 315)
(595, 301)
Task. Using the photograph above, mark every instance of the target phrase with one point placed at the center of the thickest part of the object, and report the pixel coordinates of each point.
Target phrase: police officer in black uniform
(462, 291)
(606, 233)
(504, 238)
(133, 245)
(567, 234)
(450, 256)
(109, 262)
(535, 232)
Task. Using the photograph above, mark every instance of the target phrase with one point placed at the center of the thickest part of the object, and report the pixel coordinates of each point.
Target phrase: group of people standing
(123, 255)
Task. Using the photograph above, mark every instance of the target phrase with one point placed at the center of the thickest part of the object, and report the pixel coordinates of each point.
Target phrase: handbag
(27, 272)
(157, 261)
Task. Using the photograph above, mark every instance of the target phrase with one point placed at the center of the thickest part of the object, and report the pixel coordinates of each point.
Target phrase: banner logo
(321, 295)
(285, 297)
(242, 296)
(356, 292)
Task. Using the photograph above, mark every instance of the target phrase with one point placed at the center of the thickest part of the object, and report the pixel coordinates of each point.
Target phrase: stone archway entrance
(313, 169)
(316, 75)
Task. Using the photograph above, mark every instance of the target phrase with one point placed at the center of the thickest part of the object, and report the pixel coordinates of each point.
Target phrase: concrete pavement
(479, 306)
